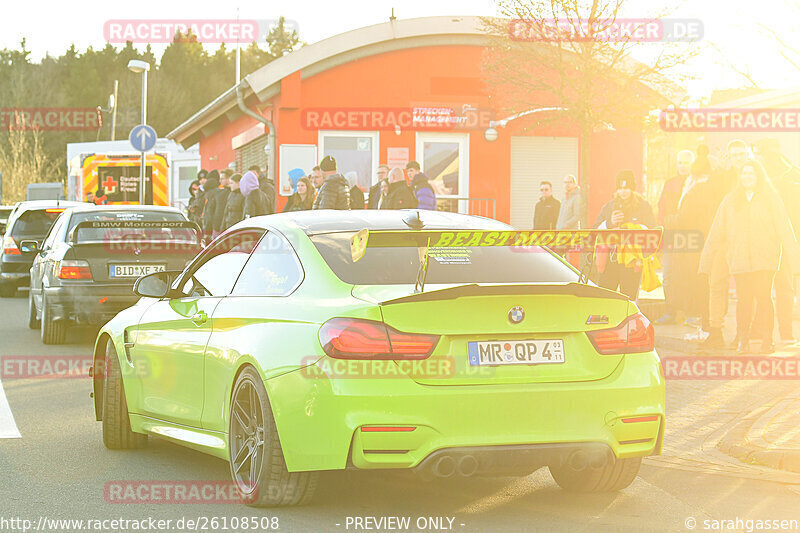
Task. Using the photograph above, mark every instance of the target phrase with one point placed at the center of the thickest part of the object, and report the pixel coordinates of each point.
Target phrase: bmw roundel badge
(516, 315)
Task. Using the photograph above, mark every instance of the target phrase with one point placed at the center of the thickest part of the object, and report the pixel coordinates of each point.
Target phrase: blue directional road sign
(143, 138)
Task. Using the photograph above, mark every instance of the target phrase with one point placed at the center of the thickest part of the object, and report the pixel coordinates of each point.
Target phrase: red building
(398, 91)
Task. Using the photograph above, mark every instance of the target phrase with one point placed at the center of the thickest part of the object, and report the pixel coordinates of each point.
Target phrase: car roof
(45, 204)
(330, 220)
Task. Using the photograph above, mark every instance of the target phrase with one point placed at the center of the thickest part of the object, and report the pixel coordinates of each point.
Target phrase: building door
(444, 158)
(537, 159)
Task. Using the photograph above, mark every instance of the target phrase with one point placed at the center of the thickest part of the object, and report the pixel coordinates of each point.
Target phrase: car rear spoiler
(132, 224)
(648, 240)
(474, 289)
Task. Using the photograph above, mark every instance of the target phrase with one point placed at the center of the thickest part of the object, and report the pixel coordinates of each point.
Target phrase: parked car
(86, 268)
(309, 341)
(5, 211)
(29, 221)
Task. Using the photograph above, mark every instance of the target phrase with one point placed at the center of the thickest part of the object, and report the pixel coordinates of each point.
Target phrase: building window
(444, 158)
(250, 154)
(355, 152)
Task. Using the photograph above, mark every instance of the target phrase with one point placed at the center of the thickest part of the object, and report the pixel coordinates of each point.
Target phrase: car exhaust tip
(598, 460)
(445, 466)
(467, 465)
(577, 460)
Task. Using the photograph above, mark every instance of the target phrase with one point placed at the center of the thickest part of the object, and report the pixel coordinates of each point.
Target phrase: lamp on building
(491, 134)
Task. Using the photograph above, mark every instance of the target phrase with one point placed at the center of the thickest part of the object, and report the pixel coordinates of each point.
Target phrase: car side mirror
(155, 285)
(29, 247)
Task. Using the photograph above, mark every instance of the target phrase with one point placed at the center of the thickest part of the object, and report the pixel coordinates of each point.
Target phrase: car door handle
(199, 318)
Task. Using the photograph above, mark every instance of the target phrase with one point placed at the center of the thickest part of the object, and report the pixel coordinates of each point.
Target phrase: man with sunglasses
(545, 214)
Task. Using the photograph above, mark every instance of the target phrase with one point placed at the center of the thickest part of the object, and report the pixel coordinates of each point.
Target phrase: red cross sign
(110, 184)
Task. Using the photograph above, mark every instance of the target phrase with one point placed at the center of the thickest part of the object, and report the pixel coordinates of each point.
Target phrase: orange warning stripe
(157, 162)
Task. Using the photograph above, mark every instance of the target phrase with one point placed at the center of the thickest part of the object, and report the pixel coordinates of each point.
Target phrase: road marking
(8, 428)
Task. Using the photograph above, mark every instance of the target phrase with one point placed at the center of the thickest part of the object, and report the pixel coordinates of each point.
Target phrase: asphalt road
(59, 469)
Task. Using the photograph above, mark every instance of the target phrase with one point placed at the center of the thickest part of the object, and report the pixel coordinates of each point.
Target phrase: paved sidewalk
(766, 430)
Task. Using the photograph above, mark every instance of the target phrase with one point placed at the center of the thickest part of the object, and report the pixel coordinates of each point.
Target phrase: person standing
(426, 197)
(375, 190)
(752, 230)
(400, 195)
(317, 179)
(667, 211)
(255, 201)
(786, 178)
(572, 214)
(303, 198)
(220, 201)
(266, 185)
(383, 195)
(725, 179)
(210, 190)
(545, 213)
(625, 207)
(193, 209)
(234, 205)
(356, 194)
(335, 191)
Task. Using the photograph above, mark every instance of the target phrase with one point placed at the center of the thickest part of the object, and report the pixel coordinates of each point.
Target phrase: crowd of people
(743, 208)
(221, 198)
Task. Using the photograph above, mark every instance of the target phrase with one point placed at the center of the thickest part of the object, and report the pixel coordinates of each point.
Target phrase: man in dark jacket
(220, 201)
(210, 190)
(335, 191)
(545, 214)
(234, 207)
(267, 186)
(356, 194)
(400, 195)
(627, 206)
(375, 190)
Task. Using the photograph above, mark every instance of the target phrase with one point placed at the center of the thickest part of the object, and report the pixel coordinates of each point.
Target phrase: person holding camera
(627, 207)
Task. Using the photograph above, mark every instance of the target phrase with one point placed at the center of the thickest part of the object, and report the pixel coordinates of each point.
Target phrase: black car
(86, 267)
(5, 211)
(28, 221)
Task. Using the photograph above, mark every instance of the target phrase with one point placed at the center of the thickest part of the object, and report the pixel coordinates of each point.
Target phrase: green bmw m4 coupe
(325, 340)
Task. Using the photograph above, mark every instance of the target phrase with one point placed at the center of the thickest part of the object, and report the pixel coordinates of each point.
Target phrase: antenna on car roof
(414, 221)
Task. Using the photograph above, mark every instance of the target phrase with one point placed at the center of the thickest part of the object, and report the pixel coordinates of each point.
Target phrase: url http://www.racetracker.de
(198, 523)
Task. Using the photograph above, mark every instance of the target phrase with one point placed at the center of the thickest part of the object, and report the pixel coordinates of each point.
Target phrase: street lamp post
(141, 67)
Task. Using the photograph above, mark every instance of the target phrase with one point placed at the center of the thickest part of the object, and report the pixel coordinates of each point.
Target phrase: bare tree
(22, 161)
(573, 56)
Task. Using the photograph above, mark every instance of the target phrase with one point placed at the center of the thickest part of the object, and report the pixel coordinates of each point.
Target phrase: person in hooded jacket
(234, 206)
(303, 198)
(426, 197)
(210, 190)
(255, 201)
(335, 191)
(193, 208)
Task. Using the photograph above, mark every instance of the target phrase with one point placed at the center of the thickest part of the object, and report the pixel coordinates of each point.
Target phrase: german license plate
(530, 352)
(134, 271)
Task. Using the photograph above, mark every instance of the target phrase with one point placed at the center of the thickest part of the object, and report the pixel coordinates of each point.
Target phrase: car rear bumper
(322, 421)
(89, 303)
(15, 270)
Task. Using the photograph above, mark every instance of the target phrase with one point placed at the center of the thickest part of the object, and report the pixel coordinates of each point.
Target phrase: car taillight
(74, 270)
(353, 338)
(10, 246)
(634, 334)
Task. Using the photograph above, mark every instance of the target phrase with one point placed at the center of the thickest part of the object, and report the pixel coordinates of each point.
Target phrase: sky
(738, 34)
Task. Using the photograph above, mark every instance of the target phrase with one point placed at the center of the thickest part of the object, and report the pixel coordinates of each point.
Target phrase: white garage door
(537, 159)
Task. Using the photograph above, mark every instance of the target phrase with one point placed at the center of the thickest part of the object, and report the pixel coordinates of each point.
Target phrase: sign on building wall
(397, 157)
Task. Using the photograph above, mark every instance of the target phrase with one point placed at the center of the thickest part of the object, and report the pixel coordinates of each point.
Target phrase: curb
(736, 444)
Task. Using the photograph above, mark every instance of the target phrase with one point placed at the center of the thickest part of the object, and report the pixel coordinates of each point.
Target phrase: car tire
(7, 291)
(53, 331)
(33, 322)
(117, 433)
(614, 475)
(272, 484)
